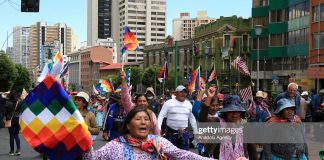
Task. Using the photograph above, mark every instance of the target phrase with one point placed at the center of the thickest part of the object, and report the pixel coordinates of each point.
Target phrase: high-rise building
(74, 42)
(283, 44)
(145, 18)
(20, 54)
(184, 27)
(45, 40)
(316, 43)
(99, 20)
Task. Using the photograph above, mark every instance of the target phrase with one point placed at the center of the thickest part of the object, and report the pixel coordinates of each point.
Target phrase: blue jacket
(196, 109)
(285, 95)
(109, 120)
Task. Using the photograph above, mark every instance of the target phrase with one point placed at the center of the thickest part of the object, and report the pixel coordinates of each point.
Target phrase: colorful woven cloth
(152, 145)
(51, 123)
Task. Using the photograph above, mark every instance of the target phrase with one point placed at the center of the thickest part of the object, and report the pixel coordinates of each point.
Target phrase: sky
(74, 13)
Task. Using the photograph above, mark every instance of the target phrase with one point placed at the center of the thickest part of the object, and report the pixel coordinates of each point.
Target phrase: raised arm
(126, 97)
(196, 106)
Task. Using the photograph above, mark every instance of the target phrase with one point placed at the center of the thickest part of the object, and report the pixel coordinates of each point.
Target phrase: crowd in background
(171, 120)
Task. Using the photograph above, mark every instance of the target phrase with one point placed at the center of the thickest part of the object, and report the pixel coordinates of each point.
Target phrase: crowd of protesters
(148, 126)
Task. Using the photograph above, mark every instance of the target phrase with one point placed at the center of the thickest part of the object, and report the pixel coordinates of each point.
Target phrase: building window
(264, 21)
(276, 40)
(245, 42)
(318, 38)
(227, 40)
(318, 13)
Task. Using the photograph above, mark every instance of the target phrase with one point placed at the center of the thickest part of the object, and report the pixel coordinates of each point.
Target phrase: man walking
(178, 111)
(293, 96)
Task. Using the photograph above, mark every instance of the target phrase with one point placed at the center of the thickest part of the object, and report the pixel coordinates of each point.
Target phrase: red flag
(164, 71)
(212, 74)
(240, 65)
(246, 93)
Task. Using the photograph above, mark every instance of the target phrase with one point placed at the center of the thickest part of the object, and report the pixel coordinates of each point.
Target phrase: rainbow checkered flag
(51, 123)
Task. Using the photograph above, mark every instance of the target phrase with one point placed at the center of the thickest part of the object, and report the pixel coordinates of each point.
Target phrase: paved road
(29, 154)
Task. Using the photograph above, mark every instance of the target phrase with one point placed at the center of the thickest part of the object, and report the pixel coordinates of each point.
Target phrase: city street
(29, 154)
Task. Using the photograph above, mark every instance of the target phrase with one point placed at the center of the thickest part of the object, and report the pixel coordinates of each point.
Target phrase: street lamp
(206, 56)
(258, 31)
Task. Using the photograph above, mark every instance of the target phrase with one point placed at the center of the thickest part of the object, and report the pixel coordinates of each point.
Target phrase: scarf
(227, 152)
(252, 109)
(152, 145)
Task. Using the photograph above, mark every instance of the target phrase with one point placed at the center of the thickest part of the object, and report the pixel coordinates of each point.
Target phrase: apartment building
(20, 53)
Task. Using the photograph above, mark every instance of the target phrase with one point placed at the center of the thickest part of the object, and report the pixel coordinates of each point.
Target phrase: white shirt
(177, 114)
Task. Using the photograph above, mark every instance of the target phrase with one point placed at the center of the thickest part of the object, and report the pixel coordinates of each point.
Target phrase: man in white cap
(178, 111)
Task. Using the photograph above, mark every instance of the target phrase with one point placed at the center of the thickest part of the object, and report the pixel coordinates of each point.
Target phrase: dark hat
(283, 104)
(232, 103)
(115, 96)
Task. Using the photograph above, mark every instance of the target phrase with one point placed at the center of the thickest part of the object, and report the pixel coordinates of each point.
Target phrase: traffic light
(29, 5)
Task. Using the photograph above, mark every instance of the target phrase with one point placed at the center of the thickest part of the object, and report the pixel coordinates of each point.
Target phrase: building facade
(146, 19)
(219, 43)
(99, 20)
(21, 46)
(85, 66)
(184, 27)
(316, 43)
(178, 55)
(74, 42)
(45, 40)
(283, 44)
(74, 71)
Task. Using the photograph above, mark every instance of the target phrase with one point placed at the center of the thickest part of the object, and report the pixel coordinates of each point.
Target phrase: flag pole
(163, 83)
(123, 60)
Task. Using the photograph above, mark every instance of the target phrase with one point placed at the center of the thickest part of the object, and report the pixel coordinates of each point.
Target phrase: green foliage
(150, 75)
(8, 73)
(150, 79)
(23, 79)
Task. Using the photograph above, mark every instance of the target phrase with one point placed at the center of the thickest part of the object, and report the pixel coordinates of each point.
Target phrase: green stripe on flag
(55, 107)
(37, 107)
(70, 106)
(23, 106)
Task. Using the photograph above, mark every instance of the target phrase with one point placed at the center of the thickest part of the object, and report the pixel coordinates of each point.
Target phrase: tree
(23, 79)
(8, 73)
(150, 78)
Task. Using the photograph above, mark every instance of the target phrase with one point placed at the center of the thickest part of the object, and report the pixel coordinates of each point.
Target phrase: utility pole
(176, 64)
